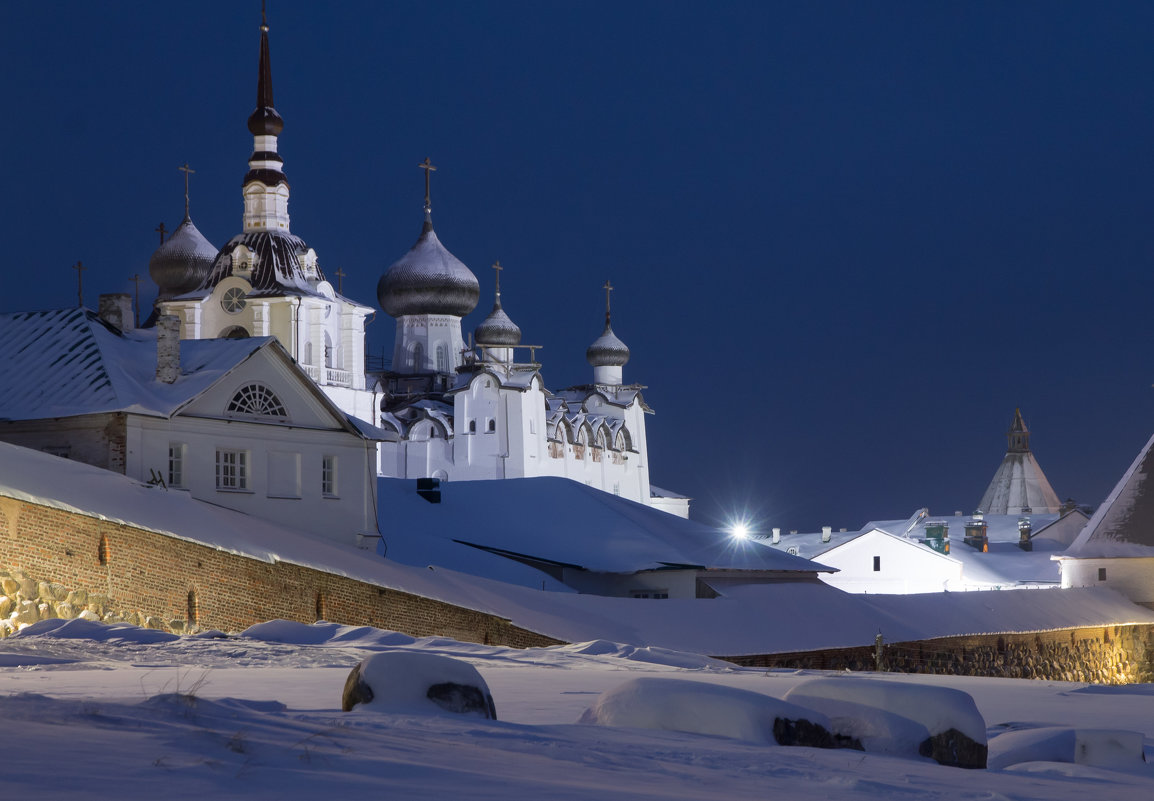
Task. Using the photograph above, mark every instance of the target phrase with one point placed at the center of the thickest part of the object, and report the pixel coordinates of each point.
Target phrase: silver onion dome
(183, 262)
(498, 329)
(607, 350)
(428, 280)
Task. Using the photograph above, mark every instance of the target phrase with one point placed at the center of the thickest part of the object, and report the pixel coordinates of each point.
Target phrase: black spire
(264, 120)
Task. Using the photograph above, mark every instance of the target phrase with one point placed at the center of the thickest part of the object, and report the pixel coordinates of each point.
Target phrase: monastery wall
(1100, 655)
(55, 563)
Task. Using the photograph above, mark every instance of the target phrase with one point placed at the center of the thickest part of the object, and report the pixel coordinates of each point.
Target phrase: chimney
(116, 310)
(167, 348)
(1025, 530)
(776, 536)
(826, 533)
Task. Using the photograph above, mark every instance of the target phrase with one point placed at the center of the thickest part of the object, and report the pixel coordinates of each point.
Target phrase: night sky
(848, 239)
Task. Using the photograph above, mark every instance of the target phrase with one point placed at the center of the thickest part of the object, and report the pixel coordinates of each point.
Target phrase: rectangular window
(877, 564)
(231, 470)
(329, 476)
(284, 474)
(659, 594)
(1101, 574)
(176, 464)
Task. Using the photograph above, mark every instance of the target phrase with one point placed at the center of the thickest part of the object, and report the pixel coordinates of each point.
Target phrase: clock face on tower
(233, 300)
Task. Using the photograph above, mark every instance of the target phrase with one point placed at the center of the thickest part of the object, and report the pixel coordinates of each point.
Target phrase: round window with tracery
(233, 300)
(256, 399)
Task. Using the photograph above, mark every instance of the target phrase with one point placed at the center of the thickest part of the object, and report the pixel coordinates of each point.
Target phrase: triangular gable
(862, 540)
(1124, 524)
(295, 400)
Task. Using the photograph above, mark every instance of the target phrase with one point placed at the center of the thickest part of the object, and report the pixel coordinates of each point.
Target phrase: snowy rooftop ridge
(69, 362)
(1124, 524)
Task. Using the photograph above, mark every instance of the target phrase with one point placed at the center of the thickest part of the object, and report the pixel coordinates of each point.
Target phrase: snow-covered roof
(68, 362)
(1124, 523)
(746, 619)
(1003, 565)
(565, 522)
(1019, 482)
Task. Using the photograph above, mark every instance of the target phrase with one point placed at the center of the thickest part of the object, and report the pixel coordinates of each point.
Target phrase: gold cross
(79, 268)
(160, 229)
(340, 274)
(428, 167)
(186, 170)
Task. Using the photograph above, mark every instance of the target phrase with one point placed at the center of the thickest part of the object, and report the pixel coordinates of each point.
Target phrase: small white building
(230, 421)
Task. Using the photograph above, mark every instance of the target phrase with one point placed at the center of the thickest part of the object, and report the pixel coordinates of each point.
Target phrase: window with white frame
(231, 470)
(329, 476)
(176, 464)
(256, 400)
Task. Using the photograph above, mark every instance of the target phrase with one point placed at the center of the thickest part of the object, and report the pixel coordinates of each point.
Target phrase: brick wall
(1101, 655)
(148, 578)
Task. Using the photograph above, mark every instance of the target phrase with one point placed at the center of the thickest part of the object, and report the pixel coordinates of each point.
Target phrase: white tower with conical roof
(1019, 486)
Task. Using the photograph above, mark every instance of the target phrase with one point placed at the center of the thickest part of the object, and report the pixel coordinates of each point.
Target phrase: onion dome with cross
(607, 350)
(182, 261)
(497, 328)
(428, 279)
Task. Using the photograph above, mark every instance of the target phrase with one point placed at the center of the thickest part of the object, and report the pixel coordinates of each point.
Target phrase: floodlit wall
(63, 564)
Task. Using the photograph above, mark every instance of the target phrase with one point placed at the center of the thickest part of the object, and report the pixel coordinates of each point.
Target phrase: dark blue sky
(848, 238)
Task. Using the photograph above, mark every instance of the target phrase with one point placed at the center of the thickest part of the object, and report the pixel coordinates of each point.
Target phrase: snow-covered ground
(92, 711)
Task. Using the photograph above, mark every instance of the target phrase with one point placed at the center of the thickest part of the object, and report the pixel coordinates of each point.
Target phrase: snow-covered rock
(413, 683)
(1102, 748)
(901, 718)
(699, 708)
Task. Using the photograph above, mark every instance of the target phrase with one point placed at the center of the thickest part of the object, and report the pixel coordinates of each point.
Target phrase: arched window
(308, 353)
(442, 362)
(472, 426)
(234, 332)
(492, 425)
(418, 356)
(257, 400)
(321, 606)
(102, 550)
(328, 350)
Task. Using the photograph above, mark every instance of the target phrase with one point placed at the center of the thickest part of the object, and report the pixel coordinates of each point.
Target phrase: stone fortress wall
(60, 564)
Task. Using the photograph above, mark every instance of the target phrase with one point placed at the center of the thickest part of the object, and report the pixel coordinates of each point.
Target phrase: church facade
(461, 409)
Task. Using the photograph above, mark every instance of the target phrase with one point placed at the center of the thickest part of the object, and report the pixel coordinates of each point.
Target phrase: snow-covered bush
(410, 683)
(699, 708)
(1102, 748)
(900, 718)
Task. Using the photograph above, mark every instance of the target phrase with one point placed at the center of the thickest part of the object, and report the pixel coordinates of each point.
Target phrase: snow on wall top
(804, 615)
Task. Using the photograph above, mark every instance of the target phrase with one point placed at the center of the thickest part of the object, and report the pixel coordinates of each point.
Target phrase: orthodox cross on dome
(160, 229)
(340, 274)
(608, 287)
(136, 279)
(186, 170)
(497, 268)
(79, 268)
(428, 167)
(263, 16)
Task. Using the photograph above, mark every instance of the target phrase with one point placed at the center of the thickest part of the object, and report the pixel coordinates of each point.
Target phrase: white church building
(461, 410)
